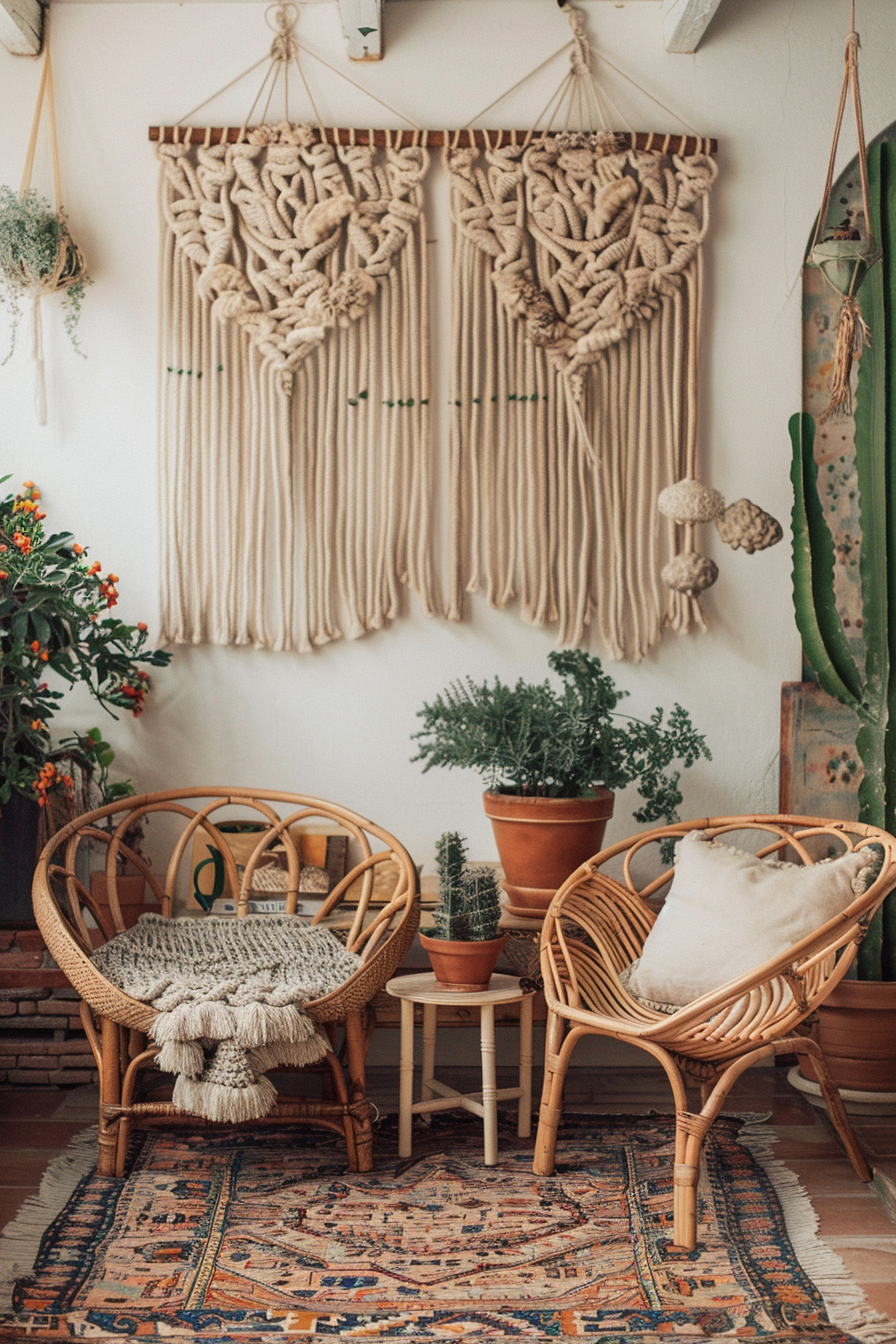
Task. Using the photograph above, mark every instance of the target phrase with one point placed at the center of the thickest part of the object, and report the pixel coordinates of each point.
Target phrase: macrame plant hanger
(295, 438)
(577, 276)
(69, 267)
(845, 254)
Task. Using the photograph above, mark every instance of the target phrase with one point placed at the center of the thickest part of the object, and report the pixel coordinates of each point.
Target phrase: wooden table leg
(430, 1015)
(489, 1083)
(406, 1079)
(524, 1123)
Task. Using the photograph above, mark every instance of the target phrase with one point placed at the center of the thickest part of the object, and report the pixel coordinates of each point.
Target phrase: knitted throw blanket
(229, 994)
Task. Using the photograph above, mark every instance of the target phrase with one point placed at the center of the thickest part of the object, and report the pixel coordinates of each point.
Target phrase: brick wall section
(41, 1040)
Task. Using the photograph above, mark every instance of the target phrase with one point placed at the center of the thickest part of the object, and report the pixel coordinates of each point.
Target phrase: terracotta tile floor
(854, 1219)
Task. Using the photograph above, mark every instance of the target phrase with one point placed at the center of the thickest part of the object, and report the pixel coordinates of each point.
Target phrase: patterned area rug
(236, 1237)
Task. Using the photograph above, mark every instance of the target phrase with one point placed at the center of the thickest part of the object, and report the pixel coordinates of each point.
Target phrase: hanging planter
(844, 262)
(849, 250)
(38, 255)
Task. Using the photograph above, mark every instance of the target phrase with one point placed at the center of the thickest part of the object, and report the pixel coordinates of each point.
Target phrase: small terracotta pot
(464, 967)
(131, 891)
(857, 1031)
(542, 840)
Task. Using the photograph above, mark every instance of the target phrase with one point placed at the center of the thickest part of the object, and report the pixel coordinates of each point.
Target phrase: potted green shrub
(465, 944)
(857, 1022)
(551, 759)
(55, 619)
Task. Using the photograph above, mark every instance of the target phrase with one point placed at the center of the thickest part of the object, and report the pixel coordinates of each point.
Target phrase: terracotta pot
(131, 891)
(857, 1031)
(464, 967)
(542, 840)
(19, 849)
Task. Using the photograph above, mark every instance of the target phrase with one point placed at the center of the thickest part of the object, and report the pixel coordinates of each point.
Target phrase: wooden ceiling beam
(685, 22)
(22, 26)
(362, 23)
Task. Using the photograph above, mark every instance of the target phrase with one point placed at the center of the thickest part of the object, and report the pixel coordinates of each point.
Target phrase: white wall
(337, 723)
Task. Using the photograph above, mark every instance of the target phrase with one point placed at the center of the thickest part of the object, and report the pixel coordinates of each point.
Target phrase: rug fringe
(845, 1301)
(20, 1240)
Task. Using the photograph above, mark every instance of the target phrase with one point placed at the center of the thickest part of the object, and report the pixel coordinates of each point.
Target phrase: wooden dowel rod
(675, 144)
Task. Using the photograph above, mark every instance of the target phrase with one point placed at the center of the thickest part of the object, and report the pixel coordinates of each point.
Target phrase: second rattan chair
(596, 927)
(117, 1025)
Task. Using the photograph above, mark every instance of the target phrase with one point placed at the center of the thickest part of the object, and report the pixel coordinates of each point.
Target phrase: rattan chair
(117, 1025)
(596, 926)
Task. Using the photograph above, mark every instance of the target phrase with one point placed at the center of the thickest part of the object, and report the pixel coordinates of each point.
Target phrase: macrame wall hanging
(577, 289)
(296, 467)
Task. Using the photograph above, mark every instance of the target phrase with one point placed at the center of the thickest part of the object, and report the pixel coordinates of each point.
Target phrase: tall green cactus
(451, 854)
(469, 898)
(483, 901)
(870, 690)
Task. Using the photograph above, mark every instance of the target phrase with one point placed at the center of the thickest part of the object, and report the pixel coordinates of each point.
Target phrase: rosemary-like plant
(537, 740)
(469, 905)
(37, 255)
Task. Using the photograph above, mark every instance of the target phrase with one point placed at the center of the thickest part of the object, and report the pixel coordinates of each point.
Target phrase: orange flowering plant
(56, 617)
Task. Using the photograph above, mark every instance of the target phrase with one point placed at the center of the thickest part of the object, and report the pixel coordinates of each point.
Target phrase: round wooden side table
(436, 1096)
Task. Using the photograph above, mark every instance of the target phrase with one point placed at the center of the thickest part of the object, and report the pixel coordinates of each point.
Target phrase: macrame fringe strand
(852, 335)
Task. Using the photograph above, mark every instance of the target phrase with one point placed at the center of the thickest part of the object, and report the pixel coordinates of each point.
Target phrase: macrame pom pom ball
(688, 501)
(744, 524)
(690, 573)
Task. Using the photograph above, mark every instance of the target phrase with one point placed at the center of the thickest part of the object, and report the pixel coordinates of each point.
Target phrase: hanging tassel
(853, 334)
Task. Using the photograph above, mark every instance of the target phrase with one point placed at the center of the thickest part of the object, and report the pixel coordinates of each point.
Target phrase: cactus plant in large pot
(858, 1021)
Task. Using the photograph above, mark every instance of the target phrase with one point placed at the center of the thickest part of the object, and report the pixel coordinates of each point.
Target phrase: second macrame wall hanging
(298, 482)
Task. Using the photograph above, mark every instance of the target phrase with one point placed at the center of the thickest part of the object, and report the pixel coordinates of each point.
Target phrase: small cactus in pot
(465, 943)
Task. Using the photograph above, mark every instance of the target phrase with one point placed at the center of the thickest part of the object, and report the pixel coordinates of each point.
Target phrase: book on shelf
(268, 905)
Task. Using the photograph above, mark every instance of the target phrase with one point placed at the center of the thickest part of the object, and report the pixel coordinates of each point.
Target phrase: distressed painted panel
(362, 23)
(834, 441)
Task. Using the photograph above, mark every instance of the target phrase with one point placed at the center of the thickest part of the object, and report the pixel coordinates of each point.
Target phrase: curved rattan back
(380, 932)
(598, 921)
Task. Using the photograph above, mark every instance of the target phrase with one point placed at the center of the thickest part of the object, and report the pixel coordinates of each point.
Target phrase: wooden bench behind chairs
(117, 1025)
(596, 927)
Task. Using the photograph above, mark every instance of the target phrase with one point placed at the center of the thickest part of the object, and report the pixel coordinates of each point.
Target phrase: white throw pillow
(728, 912)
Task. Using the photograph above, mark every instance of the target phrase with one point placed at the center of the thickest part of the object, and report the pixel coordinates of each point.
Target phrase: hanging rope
(69, 267)
(844, 257)
(285, 51)
(576, 292)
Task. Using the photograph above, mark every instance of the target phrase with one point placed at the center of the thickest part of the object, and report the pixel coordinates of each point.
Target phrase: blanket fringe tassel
(227, 1105)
